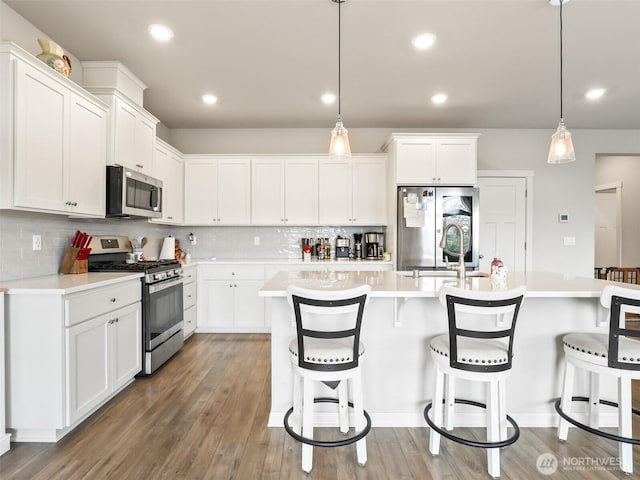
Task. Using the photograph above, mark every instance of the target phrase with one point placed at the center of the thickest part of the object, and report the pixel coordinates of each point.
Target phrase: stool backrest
(327, 316)
(485, 316)
(620, 301)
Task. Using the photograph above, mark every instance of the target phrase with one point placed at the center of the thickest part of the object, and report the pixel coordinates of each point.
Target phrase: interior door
(606, 239)
(503, 221)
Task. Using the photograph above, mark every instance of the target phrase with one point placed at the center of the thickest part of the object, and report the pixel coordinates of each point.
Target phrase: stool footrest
(595, 431)
(319, 443)
(473, 443)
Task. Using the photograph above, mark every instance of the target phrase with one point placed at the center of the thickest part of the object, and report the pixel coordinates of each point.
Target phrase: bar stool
(478, 347)
(615, 355)
(327, 349)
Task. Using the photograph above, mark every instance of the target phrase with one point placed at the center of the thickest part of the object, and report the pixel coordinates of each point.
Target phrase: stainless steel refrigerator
(423, 213)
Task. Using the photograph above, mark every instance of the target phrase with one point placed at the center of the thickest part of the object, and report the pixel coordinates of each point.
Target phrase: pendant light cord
(339, 59)
(561, 116)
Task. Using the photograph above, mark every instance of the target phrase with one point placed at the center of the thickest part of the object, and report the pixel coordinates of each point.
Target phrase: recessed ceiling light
(424, 41)
(439, 98)
(328, 98)
(209, 99)
(595, 93)
(162, 33)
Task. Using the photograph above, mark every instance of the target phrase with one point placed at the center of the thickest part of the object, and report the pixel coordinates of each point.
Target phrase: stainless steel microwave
(132, 194)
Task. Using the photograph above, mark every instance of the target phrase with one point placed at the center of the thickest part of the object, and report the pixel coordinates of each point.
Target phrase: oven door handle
(158, 287)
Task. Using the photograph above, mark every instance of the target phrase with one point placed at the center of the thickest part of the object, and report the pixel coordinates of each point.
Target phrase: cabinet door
(415, 162)
(189, 321)
(126, 340)
(301, 192)
(234, 192)
(162, 168)
(334, 192)
(85, 171)
(39, 140)
(176, 192)
(456, 161)
(124, 140)
(201, 192)
(216, 299)
(87, 366)
(267, 192)
(249, 307)
(369, 191)
(144, 146)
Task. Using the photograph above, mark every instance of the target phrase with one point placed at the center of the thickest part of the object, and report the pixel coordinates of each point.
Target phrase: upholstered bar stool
(327, 349)
(616, 355)
(478, 347)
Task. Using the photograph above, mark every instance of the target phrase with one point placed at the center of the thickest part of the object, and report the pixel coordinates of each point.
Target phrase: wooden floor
(204, 416)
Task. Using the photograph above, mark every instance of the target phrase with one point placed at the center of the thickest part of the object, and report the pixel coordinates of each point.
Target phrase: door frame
(617, 186)
(528, 234)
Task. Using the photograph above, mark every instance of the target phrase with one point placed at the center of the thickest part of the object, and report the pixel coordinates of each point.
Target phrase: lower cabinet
(67, 354)
(104, 355)
(228, 299)
(189, 299)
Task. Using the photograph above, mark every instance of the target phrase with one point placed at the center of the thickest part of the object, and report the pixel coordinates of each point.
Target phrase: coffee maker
(357, 245)
(372, 245)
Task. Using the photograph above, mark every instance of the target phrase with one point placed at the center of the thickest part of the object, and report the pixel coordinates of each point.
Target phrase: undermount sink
(441, 273)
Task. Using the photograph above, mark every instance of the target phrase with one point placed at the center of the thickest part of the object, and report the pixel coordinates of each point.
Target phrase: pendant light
(561, 150)
(339, 147)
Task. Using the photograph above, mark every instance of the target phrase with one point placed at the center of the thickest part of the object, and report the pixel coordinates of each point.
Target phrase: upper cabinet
(353, 191)
(132, 130)
(434, 159)
(53, 139)
(217, 190)
(284, 191)
(169, 167)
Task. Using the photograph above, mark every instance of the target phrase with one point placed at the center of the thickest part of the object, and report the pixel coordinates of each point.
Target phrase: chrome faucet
(460, 267)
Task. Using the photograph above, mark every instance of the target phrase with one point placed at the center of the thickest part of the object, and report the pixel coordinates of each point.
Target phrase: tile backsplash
(18, 260)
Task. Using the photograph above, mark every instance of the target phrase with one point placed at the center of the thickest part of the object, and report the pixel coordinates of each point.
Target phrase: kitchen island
(404, 313)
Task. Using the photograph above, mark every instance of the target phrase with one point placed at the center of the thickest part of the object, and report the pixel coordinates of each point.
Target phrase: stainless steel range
(162, 312)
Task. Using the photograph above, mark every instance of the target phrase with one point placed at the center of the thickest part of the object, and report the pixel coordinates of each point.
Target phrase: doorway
(608, 225)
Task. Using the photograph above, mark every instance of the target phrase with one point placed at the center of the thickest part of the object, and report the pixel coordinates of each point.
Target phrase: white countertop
(67, 283)
(284, 261)
(391, 284)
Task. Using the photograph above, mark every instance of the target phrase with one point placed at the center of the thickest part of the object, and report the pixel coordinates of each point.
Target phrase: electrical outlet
(37, 242)
(256, 241)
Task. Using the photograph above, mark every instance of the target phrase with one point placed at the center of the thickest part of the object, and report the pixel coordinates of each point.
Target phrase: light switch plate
(569, 241)
(37, 242)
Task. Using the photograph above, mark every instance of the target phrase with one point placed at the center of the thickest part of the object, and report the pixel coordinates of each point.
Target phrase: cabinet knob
(218, 219)
(139, 165)
(75, 204)
(113, 300)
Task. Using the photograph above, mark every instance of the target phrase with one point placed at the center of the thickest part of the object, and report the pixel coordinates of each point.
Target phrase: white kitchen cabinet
(228, 299)
(131, 133)
(104, 355)
(284, 191)
(189, 296)
(89, 347)
(434, 159)
(54, 140)
(353, 191)
(4, 436)
(169, 167)
(217, 190)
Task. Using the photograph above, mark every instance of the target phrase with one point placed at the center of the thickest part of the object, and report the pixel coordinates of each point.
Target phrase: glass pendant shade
(561, 150)
(339, 147)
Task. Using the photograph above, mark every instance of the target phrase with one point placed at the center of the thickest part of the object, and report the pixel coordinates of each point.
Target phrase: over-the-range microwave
(132, 194)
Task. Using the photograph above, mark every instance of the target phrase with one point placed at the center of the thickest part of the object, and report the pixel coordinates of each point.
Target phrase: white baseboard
(5, 443)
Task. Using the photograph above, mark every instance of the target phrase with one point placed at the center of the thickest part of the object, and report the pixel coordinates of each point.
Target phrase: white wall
(557, 188)
(624, 169)
(14, 28)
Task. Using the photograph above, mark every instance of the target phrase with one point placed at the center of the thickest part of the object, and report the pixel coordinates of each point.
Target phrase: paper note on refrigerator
(414, 217)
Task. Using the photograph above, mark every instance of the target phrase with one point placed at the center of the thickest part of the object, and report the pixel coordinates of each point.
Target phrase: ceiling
(268, 62)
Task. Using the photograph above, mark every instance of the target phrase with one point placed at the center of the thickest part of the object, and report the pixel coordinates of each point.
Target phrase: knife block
(75, 260)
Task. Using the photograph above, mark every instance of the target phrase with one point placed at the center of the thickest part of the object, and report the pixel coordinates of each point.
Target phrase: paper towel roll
(168, 251)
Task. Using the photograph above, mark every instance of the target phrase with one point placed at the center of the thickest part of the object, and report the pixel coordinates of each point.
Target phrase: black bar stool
(478, 347)
(327, 349)
(615, 355)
